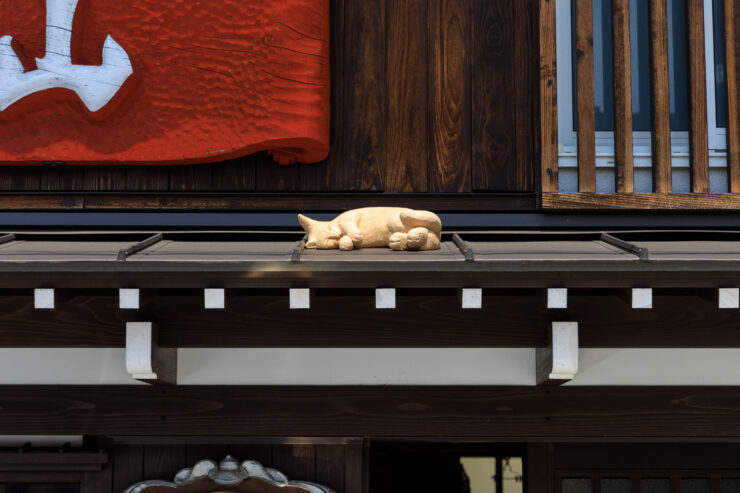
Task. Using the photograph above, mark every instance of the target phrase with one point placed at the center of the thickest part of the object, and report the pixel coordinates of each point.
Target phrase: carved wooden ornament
(228, 476)
(153, 81)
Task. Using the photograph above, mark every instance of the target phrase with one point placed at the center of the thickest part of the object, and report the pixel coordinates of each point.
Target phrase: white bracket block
(43, 299)
(300, 299)
(385, 298)
(557, 298)
(729, 297)
(642, 298)
(145, 360)
(558, 363)
(214, 299)
(128, 299)
(472, 298)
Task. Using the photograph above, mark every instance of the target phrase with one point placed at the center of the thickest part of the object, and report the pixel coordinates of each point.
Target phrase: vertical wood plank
(98, 481)
(297, 461)
(548, 98)
(238, 175)
(128, 466)
(585, 97)
(524, 87)
(20, 178)
(540, 468)
(104, 178)
(660, 109)
(164, 461)
(623, 150)
(330, 466)
(732, 61)
(698, 132)
(363, 116)
(148, 178)
(493, 127)
(274, 177)
(62, 178)
(353, 469)
(407, 132)
(327, 175)
(449, 96)
(191, 178)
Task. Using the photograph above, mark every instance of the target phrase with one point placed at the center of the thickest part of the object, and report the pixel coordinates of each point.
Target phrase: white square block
(385, 298)
(472, 298)
(128, 299)
(300, 299)
(43, 299)
(214, 299)
(557, 298)
(642, 298)
(729, 297)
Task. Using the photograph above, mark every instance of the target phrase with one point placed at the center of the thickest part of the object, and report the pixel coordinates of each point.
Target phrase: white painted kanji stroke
(96, 85)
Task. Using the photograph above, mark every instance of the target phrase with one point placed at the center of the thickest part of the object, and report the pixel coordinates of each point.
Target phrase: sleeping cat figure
(394, 227)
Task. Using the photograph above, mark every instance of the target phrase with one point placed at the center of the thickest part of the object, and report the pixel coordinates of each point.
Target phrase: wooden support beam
(145, 360)
(698, 134)
(585, 97)
(385, 298)
(557, 298)
(548, 98)
(660, 109)
(300, 299)
(623, 153)
(642, 298)
(472, 298)
(558, 363)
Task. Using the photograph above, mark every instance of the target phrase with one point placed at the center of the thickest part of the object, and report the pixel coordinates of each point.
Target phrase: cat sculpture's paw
(417, 238)
(398, 241)
(346, 243)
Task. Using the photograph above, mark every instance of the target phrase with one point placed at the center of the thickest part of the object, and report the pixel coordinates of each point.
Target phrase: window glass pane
(481, 473)
(720, 80)
(616, 485)
(729, 485)
(511, 473)
(655, 485)
(39, 488)
(576, 485)
(695, 485)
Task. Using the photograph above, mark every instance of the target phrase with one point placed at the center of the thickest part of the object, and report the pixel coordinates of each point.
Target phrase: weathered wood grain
(494, 165)
(548, 98)
(660, 109)
(585, 96)
(128, 466)
(295, 460)
(284, 178)
(407, 131)
(62, 178)
(164, 461)
(364, 116)
(560, 413)
(732, 61)
(195, 178)
(698, 133)
(623, 153)
(327, 175)
(525, 86)
(148, 179)
(20, 178)
(449, 96)
(104, 178)
(238, 175)
(641, 201)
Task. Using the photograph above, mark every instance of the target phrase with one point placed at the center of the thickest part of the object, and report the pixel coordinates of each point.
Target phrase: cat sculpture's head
(321, 234)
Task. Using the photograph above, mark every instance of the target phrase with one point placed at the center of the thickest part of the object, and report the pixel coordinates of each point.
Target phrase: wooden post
(585, 97)
(660, 97)
(698, 138)
(623, 153)
(732, 12)
(548, 99)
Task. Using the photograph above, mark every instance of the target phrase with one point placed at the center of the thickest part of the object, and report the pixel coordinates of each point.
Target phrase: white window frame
(567, 136)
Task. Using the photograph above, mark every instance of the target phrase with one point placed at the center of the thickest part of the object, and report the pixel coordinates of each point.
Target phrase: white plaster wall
(501, 366)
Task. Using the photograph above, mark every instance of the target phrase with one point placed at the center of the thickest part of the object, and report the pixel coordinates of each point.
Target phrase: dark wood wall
(428, 96)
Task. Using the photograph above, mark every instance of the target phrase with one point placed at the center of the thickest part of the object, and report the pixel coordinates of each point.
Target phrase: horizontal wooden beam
(161, 201)
(506, 318)
(517, 413)
(642, 201)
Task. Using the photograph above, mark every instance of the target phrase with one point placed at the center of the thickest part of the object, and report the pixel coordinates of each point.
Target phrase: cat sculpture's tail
(422, 219)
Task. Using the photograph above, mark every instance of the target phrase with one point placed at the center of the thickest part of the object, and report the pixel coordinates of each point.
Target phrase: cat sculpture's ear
(306, 222)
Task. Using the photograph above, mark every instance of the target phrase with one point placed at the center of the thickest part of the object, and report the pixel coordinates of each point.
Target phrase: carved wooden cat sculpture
(394, 227)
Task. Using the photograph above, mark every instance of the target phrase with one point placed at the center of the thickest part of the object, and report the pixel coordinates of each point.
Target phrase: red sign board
(163, 81)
